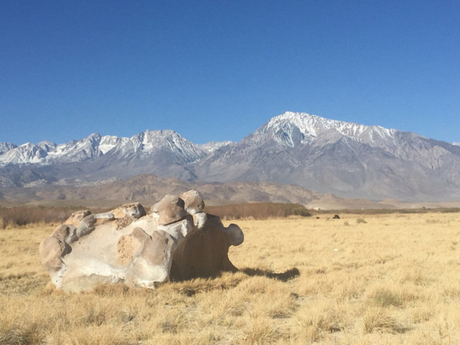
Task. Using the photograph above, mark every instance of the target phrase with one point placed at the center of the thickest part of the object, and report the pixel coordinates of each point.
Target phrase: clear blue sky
(218, 70)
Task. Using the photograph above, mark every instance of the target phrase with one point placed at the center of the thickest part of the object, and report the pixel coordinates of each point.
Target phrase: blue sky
(218, 70)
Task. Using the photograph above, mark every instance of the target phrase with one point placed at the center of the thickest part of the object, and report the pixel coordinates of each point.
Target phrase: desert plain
(361, 279)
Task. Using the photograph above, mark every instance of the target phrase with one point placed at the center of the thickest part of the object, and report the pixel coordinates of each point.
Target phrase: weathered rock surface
(127, 246)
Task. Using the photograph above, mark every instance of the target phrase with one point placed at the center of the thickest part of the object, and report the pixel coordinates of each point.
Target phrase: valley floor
(361, 279)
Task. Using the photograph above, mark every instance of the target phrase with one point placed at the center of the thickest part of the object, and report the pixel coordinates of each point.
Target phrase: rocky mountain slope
(149, 189)
(341, 158)
(327, 156)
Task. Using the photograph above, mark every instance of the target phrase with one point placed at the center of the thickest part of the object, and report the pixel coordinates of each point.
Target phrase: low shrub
(21, 216)
(258, 210)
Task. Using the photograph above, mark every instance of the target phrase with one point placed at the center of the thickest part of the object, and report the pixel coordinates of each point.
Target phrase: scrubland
(361, 279)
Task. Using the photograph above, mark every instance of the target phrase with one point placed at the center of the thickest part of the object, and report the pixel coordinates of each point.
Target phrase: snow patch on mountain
(5, 147)
(110, 142)
(214, 145)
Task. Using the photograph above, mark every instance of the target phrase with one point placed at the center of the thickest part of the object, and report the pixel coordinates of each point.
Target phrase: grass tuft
(260, 331)
(384, 297)
(381, 321)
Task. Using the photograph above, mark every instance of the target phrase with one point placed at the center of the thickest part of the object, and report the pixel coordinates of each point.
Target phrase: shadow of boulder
(284, 277)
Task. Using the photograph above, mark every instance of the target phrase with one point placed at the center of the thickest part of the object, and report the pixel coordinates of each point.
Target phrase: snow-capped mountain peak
(95, 145)
(312, 125)
(25, 153)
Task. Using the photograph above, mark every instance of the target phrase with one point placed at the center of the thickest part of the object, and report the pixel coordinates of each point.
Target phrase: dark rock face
(203, 253)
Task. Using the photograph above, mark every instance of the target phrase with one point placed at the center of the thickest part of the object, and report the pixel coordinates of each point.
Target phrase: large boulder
(133, 250)
(127, 246)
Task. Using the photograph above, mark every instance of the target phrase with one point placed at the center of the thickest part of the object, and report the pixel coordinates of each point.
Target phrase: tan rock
(51, 251)
(76, 217)
(193, 202)
(169, 210)
(131, 210)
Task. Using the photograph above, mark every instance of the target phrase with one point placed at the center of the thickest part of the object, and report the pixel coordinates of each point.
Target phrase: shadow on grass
(284, 277)
(190, 287)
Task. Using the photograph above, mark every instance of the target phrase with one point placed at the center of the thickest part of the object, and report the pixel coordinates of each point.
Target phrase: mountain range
(315, 153)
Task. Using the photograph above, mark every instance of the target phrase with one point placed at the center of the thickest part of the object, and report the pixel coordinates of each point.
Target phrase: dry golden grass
(362, 279)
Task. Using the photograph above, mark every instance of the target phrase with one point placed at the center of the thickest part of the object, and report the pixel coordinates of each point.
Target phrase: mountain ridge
(329, 156)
